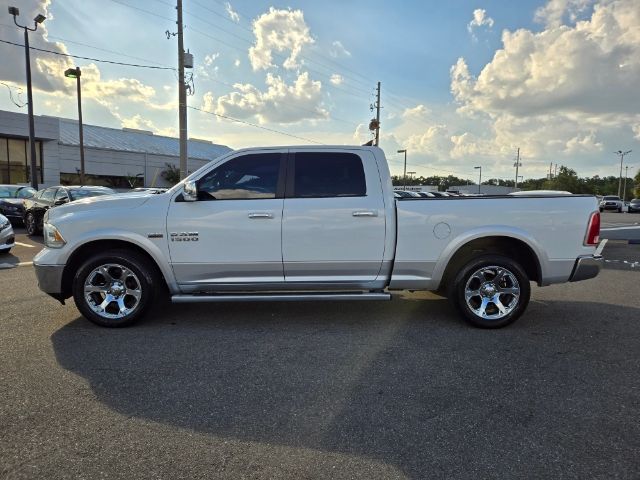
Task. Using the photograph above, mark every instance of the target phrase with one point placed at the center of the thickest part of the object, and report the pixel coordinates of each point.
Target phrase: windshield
(611, 197)
(78, 193)
(10, 191)
(25, 192)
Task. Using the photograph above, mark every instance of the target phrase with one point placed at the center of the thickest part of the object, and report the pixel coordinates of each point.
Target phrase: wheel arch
(501, 244)
(87, 249)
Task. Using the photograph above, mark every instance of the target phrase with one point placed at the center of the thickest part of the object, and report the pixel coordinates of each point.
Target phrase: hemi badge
(155, 235)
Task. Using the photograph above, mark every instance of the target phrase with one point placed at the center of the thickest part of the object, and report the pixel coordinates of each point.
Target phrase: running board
(280, 297)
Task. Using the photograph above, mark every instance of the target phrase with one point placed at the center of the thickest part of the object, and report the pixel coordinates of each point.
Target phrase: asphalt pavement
(400, 389)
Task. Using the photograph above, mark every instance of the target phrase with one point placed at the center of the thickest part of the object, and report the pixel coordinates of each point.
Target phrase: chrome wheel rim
(492, 292)
(112, 291)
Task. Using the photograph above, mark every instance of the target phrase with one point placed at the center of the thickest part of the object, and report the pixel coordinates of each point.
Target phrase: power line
(226, 117)
(154, 67)
(11, 96)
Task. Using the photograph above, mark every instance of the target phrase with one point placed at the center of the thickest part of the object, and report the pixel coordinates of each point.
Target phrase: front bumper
(586, 267)
(7, 238)
(50, 279)
(7, 243)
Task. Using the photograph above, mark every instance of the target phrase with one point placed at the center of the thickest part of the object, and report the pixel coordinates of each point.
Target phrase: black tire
(4, 251)
(144, 274)
(31, 225)
(601, 210)
(482, 264)
(620, 210)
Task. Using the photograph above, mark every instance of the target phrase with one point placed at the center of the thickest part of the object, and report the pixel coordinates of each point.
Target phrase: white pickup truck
(311, 223)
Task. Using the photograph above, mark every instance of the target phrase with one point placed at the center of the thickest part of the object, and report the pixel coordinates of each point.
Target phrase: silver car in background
(7, 238)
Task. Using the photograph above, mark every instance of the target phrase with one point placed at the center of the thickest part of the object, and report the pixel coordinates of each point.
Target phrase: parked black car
(634, 206)
(11, 201)
(35, 207)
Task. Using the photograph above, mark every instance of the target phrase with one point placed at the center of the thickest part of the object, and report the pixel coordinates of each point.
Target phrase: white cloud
(585, 143)
(142, 123)
(561, 89)
(419, 111)
(553, 13)
(338, 50)
(233, 15)
(480, 19)
(336, 79)
(236, 63)
(209, 59)
(279, 31)
(280, 103)
(208, 102)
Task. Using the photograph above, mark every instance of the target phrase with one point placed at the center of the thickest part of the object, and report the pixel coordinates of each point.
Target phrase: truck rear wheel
(115, 288)
(491, 291)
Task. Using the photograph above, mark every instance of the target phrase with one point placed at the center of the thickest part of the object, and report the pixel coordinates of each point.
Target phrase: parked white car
(7, 237)
(311, 223)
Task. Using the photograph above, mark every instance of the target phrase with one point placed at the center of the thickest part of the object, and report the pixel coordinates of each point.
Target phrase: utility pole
(378, 116)
(182, 97)
(404, 176)
(621, 154)
(550, 168)
(517, 165)
(555, 171)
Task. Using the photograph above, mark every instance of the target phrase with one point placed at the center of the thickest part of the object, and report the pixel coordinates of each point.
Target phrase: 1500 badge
(184, 236)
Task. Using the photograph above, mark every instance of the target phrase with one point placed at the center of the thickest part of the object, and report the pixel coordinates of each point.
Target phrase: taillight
(593, 230)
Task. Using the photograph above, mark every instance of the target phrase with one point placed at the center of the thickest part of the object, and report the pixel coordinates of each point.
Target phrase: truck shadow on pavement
(402, 382)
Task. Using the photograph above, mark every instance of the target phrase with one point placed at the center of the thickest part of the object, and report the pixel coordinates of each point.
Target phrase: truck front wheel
(491, 291)
(115, 288)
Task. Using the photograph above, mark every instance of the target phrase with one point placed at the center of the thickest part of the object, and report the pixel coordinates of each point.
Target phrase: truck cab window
(328, 174)
(246, 177)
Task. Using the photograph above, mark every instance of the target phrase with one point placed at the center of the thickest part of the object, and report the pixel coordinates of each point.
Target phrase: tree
(636, 182)
(171, 174)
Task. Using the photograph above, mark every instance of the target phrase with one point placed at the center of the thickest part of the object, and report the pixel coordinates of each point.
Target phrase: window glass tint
(7, 191)
(78, 193)
(610, 197)
(61, 193)
(329, 175)
(48, 194)
(247, 177)
(26, 192)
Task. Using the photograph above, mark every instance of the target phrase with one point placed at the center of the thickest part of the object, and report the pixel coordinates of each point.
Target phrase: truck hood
(123, 201)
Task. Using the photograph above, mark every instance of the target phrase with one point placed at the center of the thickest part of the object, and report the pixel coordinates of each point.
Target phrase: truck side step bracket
(280, 297)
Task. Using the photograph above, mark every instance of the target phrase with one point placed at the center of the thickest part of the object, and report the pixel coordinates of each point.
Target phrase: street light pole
(404, 178)
(626, 174)
(479, 179)
(32, 144)
(621, 154)
(75, 73)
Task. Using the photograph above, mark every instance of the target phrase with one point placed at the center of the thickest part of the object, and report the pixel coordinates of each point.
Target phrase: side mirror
(190, 191)
(61, 201)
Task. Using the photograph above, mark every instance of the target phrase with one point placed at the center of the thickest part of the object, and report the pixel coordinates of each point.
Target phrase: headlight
(4, 224)
(52, 237)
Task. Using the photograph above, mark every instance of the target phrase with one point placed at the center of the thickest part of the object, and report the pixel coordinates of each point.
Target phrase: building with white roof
(113, 157)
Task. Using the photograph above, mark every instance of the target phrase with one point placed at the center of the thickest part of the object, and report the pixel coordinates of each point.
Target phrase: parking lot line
(4, 266)
(25, 245)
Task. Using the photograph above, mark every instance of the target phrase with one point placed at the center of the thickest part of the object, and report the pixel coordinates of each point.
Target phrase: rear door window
(328, 174)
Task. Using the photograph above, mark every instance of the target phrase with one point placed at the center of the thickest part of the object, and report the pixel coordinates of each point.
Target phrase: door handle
(365, 213)
(261, 215)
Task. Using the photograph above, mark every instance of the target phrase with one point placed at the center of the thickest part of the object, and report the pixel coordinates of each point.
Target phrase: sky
(464, 83)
